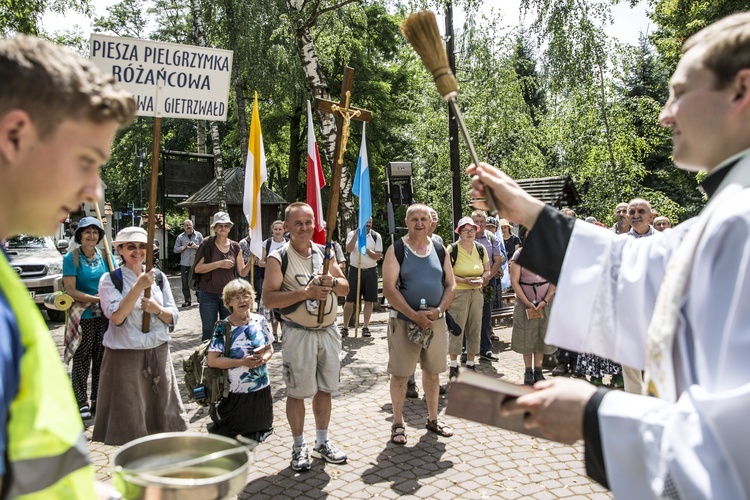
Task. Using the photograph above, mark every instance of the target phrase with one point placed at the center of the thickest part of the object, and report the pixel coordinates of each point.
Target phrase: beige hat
(221, 218)
(504, 222)
(130, 235)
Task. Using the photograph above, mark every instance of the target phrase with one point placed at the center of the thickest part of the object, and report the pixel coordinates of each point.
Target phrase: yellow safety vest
(47, 452)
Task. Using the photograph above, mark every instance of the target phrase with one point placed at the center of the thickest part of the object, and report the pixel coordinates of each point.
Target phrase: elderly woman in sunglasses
(138, 392)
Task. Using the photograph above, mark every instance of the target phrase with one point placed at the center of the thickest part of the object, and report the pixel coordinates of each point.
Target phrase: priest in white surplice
(676, 306)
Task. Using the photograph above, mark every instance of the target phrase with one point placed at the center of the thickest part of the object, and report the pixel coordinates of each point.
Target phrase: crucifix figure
(344, 114)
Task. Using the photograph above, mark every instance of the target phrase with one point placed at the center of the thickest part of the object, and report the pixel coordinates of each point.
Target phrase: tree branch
(317, 13)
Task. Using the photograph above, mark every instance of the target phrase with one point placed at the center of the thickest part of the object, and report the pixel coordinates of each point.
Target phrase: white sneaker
(328, 452)
(300, 458)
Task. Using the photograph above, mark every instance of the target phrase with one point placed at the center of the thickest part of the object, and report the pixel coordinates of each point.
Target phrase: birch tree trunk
(317, 83)
(200, 35)
(295, 137)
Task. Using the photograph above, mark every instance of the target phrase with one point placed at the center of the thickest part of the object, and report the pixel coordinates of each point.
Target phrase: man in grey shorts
(422, 279)
(311, 349)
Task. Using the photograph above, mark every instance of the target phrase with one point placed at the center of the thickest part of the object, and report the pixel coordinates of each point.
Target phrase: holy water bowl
(143, 467)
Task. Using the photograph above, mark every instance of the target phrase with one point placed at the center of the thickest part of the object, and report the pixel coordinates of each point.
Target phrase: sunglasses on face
(131, 247)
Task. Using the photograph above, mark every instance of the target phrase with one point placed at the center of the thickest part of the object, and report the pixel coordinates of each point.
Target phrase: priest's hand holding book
(554, 407)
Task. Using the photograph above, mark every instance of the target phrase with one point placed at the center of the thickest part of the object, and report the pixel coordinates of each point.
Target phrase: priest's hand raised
(514, 203)
(555, 407)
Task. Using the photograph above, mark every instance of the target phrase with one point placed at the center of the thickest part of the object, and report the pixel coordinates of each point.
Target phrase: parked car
(38, 262)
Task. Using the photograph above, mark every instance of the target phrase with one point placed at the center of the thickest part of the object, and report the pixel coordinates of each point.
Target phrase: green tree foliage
(24, 16)
(677, 20)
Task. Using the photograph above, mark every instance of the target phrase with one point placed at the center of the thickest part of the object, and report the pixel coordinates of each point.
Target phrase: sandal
(398, 434)
(439, 428)
(343, 331)
(365, 331)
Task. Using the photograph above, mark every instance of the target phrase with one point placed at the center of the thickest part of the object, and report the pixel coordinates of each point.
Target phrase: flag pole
(359, 284)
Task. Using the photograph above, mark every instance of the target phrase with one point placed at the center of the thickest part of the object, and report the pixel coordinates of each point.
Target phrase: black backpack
(116, 277)
(454, 252)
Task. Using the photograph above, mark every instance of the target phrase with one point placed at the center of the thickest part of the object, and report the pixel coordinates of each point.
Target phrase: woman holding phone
(248, 410)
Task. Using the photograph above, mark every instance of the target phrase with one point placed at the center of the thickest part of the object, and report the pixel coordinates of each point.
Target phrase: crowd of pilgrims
(104, 339)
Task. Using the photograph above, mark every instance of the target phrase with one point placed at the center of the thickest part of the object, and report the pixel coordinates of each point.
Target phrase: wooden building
(203, 204)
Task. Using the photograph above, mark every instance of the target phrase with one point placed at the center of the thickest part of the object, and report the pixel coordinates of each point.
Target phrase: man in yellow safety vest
(58, 116)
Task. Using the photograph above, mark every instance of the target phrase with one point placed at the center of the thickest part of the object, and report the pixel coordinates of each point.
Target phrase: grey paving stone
(477, 462)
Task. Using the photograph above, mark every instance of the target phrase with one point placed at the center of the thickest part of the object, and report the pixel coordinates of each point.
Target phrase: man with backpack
(296, 286)
(368, 263)
(418, 283)
(490, 243)
(186, 245)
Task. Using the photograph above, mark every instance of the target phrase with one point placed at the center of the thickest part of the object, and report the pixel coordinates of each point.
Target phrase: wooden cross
(344, 114)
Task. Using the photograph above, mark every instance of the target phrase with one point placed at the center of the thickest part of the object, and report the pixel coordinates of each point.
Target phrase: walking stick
(359, 284)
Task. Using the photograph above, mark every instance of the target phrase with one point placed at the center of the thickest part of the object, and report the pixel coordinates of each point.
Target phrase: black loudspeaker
(401, 193)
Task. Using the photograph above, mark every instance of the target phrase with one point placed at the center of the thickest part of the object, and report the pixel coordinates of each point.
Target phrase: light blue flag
(362, 191)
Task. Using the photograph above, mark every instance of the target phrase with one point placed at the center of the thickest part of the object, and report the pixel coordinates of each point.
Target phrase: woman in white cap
(82, 269)
(138, 392)
(218, 261)
(470, 267)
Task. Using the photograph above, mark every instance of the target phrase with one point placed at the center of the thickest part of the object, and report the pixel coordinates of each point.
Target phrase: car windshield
(26, 241)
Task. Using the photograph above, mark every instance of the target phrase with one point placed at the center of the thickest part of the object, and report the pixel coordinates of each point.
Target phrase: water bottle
(422, 304)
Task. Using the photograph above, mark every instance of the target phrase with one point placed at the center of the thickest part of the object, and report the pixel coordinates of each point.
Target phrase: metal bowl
(219, 478)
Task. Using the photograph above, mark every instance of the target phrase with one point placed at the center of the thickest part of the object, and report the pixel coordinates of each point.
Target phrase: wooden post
(146, 325)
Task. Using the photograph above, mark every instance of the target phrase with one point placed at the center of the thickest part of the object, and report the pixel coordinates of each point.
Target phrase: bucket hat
(504, 223)
(88, 222)
(221, 218)
(131, 235)
(463, 222)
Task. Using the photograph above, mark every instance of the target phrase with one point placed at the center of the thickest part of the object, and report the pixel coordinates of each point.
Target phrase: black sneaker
(411, 390)
(489, 356)
(471, 367)
(453, 373)
(538, 375)
(186, 304)
(528, 378)
(344, 332)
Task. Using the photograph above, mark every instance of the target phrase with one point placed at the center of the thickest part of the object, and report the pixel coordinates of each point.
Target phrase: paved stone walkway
(477, 462)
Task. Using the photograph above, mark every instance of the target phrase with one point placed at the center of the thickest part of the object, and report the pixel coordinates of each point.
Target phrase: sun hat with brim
(88, 222)
(131, 235)
(463, 222)
(505, 223)
(221, 218)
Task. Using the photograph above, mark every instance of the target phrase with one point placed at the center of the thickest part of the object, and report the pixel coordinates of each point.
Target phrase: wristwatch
(440, 312)
(335, 282)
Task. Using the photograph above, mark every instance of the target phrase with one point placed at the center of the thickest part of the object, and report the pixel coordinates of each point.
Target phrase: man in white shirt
(685, 318)
(368, 262)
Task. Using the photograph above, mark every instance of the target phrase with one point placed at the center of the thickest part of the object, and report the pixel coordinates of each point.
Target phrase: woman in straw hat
(138, 392)
(218, 261)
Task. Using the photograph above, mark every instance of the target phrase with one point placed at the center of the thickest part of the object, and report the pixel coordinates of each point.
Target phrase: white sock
(321, 436)
(299, 441)
(454, 363)
(469, 363)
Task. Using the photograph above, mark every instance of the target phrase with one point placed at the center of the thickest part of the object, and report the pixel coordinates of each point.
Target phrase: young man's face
(51, 177)
(697, 113)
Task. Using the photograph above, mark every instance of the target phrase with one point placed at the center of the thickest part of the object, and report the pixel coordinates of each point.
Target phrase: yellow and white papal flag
(255, 175)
